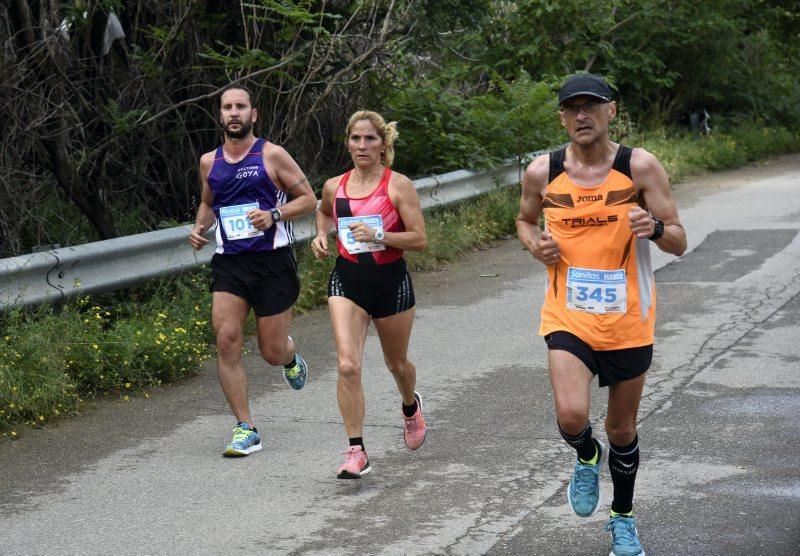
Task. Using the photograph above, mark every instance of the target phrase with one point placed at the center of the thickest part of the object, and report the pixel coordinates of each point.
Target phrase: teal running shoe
(584, 488)
(245, 442)
(624, 538)
(297, 374)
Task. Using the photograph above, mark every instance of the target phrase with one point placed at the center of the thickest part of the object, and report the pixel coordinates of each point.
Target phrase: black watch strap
(658, 231)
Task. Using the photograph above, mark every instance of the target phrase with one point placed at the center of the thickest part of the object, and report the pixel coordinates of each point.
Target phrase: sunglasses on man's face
(588, 107)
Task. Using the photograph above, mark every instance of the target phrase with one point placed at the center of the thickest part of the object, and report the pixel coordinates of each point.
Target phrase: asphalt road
(719, 427)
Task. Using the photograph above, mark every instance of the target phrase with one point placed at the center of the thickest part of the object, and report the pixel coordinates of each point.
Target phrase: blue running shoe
(245, 441)
(624, 538)
(584, 488)
(297, 374)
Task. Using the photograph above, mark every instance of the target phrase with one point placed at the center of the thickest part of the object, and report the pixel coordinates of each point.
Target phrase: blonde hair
(387, 132)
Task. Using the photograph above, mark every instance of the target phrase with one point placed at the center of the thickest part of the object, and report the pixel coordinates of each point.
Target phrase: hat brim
(584, 94)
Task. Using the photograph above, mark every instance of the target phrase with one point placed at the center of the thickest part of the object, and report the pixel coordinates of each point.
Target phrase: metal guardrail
(105, 266)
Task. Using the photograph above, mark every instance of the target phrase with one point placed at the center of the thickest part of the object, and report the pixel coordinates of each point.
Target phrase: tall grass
(52, 359)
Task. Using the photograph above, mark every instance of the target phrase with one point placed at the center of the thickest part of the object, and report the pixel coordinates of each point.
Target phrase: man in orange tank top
(603, 205)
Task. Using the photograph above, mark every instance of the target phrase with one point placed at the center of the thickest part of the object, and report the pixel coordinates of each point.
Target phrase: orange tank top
(602, 289)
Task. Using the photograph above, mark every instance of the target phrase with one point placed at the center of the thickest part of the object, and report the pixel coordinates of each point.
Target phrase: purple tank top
(239, 188)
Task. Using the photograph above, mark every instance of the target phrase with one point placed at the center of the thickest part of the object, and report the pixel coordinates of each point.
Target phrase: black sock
(583, 443)
(623, 462)
(410, 410)
(358, 441)
(291, 363)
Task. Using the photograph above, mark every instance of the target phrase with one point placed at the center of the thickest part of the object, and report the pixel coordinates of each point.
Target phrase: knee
(398, 366)
(274, 356)
(572, 421)
(229, 343)
(621, 433)
(349, 370)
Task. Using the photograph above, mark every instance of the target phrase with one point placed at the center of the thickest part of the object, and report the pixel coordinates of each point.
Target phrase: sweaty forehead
(235, 96)
(363, 126)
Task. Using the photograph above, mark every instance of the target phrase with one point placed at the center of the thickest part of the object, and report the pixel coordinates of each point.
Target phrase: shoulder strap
(383, 186)
(556, 164)
(258, 146)
(343, 183)
(622, 162)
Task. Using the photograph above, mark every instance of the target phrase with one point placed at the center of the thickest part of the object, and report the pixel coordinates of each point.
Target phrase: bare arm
(324, 219)
(205, 213)
(287, 175)
(534, 182)
(652, 184)
(292, 180)
(404, 196)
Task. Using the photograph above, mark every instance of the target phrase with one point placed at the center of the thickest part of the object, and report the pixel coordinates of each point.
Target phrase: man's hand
(196, 237)
(260, 219)
(546, 249)
(319, 246)
(642, 224)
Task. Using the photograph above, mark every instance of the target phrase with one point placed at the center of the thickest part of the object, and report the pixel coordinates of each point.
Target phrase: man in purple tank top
(251, 189)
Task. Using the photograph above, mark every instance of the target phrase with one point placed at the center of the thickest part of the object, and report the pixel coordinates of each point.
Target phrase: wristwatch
(658, 231)
(378, 236)
(276, 215)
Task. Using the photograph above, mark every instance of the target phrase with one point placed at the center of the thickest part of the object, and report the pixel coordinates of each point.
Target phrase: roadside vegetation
(53, 361)
(102, 137)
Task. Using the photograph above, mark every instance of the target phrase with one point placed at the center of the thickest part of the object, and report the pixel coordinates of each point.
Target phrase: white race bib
(597, 291)
(346, 236)
(235, 222)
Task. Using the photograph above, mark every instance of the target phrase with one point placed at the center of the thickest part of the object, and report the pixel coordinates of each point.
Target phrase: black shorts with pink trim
(381, 290)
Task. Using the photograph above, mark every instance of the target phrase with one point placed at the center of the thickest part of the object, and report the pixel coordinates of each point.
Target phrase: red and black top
(376, 203)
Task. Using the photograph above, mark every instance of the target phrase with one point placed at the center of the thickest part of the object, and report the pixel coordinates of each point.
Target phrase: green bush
(117, 345)
(684, 154)
(50, 360)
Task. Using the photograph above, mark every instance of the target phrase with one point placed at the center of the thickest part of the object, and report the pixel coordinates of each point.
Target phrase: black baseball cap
(585, 84)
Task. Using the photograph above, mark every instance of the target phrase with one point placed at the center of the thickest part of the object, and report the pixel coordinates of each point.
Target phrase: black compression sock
(583, 443)
(623, 462)
(357, 441)
(410, 410)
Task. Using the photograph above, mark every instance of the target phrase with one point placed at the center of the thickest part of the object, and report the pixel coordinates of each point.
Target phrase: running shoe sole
(234, 453)
(347, 475)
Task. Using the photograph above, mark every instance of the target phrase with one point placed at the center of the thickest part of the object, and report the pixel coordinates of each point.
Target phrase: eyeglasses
(588, 108)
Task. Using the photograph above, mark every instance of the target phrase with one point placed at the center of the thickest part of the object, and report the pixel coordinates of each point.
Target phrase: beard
(244, 130)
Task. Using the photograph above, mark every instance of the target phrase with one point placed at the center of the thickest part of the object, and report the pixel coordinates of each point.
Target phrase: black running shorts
(382, 290)
(610, 366)
(265, 279)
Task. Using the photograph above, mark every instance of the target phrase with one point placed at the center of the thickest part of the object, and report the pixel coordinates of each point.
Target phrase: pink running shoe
(414, 428)
(356, 464)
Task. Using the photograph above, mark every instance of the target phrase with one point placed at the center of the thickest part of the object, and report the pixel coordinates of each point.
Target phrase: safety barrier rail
(105, 266)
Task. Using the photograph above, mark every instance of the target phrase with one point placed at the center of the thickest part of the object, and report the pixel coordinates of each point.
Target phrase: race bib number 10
(235, 222)
(597, 291)
(346, 236)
